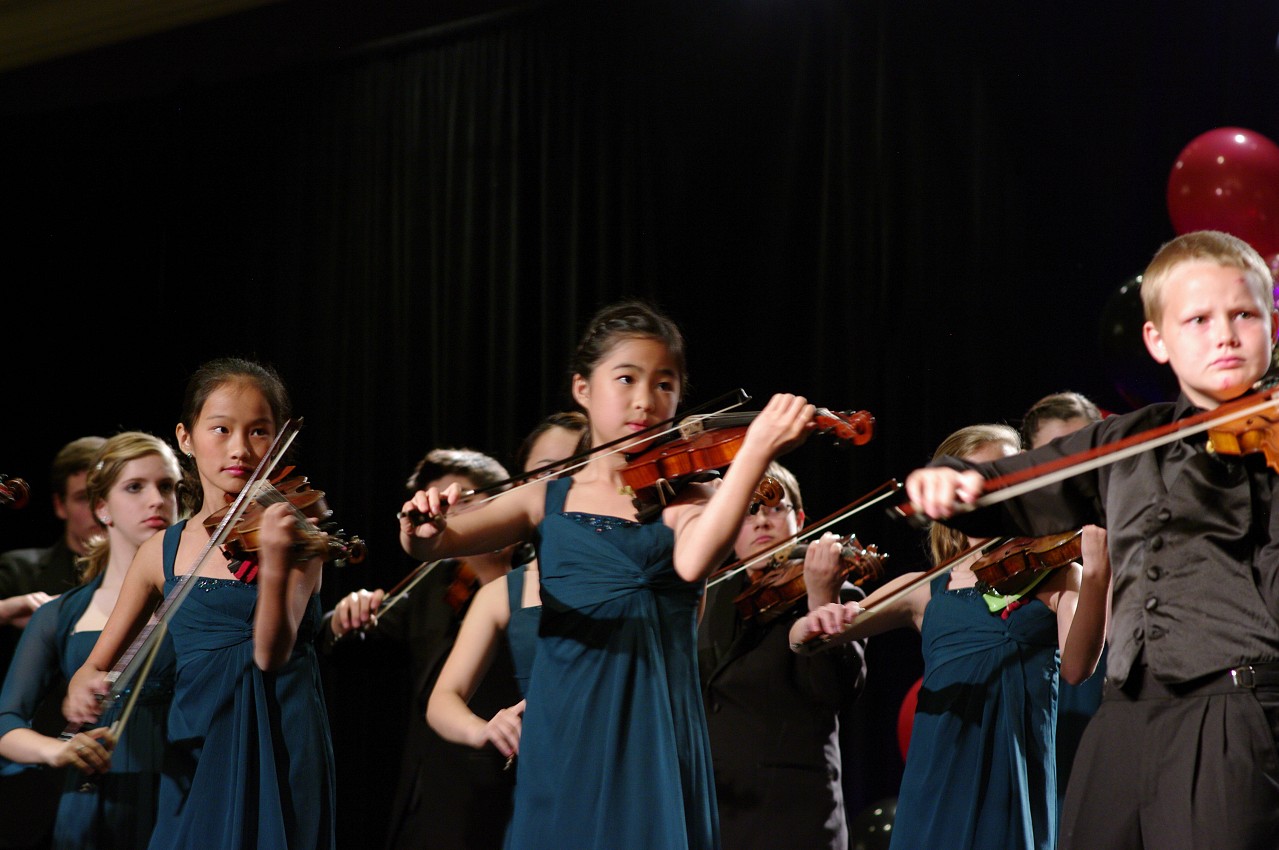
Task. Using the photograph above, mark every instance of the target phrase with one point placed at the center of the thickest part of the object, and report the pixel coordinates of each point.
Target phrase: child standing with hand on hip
(613, 751)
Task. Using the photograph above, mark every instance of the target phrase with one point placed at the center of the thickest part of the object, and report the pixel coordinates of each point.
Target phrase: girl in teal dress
(248, 725)
(110, 797)
(510, 606)
(613, 750)
(981, 766)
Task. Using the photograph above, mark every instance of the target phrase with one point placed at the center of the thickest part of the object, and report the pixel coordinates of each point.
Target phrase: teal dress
(255, 760)
(981, 770)
(614, 752)
(116, 809)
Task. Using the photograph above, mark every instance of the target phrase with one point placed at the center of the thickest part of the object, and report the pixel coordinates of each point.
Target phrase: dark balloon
(873, 828)
(1132, 371)
(1228, 179)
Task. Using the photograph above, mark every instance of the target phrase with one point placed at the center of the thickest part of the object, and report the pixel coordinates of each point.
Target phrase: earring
(104, 519)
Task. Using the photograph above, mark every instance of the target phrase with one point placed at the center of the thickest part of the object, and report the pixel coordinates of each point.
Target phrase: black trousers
(1163, 768)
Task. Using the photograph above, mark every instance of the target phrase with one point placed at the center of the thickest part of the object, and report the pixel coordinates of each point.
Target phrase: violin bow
(619, 446)
(1041, 475)
(135, 664)
(874, 497)
(401, 591)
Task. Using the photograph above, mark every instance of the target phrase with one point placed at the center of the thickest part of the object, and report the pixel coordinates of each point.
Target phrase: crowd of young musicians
(601, 660)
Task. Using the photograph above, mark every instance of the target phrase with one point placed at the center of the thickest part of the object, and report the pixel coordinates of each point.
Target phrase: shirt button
(1164, 515)
(715, 706)
(1156, 632)
(1138, 633)
(1152, 603)
(1156, 543)
(1153, 573)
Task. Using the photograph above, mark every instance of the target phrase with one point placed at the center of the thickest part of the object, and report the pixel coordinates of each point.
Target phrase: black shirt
(1194, 548)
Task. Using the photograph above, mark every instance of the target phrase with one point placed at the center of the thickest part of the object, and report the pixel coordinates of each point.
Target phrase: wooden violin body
(244, 540)
(655, 475)
(782, 586)
(1010, 564)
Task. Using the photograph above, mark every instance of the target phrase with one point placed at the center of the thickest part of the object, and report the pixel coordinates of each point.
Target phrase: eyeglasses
(775, 510)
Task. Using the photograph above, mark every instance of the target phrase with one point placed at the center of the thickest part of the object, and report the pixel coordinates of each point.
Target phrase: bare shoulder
(491, 603)
(148, 563)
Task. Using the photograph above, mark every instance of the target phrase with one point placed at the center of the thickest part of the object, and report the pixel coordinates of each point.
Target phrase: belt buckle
(1243, 677)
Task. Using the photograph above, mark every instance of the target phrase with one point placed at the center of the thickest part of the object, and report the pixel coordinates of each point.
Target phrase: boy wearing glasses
(773, 715)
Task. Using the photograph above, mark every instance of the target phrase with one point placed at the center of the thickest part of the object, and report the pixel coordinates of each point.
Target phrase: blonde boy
(1182, 752)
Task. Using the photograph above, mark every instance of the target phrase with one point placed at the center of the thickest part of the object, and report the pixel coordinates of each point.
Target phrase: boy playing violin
(1182, 752)
(773, 716)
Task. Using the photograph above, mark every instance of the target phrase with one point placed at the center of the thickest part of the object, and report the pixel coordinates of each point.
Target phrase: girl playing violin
(772, 715)
(980, 771)
(131, 493)
(1051, 417)
(613, 751)
(248, 725)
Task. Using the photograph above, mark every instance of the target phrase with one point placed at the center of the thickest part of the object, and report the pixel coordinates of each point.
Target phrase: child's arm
(285, 587)
(447, 711)
(704, 531)
(836, 619)
(141, 592)
(33, 673)
(505, 520)
(1082, 603)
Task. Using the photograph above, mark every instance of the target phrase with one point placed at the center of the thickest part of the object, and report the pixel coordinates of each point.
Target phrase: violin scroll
(13, 492)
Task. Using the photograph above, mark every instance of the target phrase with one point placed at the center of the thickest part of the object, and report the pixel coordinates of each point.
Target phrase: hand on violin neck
(823, 575)
(940, 492)
(783, 424)
(1094, 554)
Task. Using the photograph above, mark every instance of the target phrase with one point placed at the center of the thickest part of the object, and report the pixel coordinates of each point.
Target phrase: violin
(243, 542)
(653, 477)
(782, 586)
(1008, 566)
(462, 588)
(13, 492)
(567, 465)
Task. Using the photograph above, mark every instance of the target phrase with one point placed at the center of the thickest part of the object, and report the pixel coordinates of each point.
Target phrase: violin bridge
(691, 427)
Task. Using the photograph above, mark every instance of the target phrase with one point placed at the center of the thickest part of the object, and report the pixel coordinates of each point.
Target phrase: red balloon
(1228, 179)
(906, 717)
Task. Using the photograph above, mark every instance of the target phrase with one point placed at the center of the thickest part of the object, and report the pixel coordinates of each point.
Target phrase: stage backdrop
(917, 209)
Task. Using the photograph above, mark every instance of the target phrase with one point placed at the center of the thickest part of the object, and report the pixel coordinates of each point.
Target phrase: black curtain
(915, 209)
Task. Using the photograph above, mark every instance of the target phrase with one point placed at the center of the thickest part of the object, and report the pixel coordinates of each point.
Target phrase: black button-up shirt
(1194, 548)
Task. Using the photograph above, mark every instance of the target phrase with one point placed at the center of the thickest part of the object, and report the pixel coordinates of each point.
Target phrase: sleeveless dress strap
(557, 494)
(515, 588)
(172, 536)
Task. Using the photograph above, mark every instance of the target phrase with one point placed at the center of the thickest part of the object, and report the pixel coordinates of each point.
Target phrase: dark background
(922, 210)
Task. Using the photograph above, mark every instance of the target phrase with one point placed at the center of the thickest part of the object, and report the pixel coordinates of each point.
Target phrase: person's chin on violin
(773, 715)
